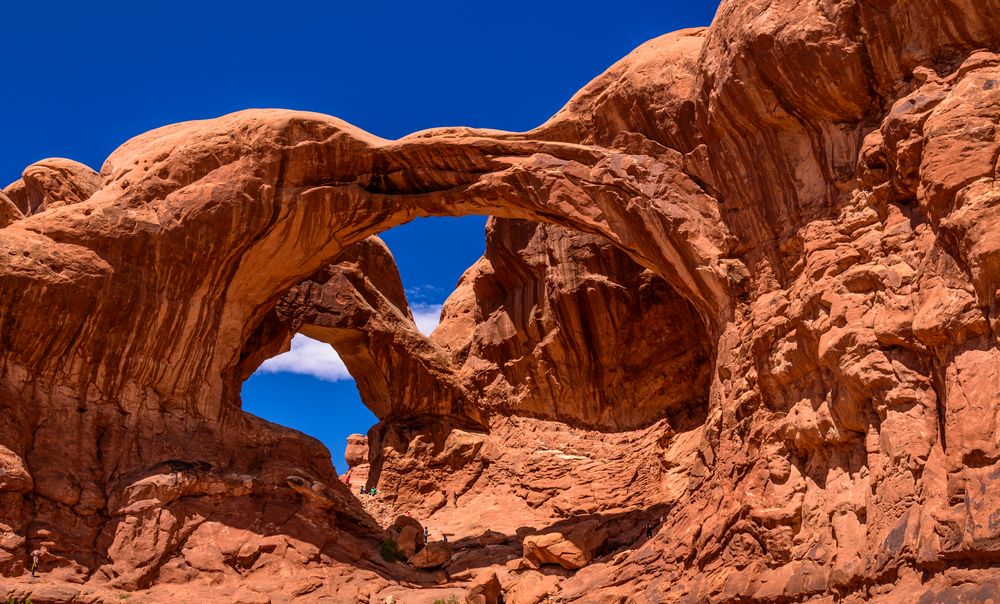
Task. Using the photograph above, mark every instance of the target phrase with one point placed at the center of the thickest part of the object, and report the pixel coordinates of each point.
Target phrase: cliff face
(760, 319)
(552, 323)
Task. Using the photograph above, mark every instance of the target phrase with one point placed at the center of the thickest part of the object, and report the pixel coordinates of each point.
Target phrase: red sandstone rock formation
(435, 555)
(356, 453)
(52, 183)
(485, 589)
(9, 212)
(357, 305)
(555, 324)
(408, 535)
(356, 456)
(572, 549)
(807, 194)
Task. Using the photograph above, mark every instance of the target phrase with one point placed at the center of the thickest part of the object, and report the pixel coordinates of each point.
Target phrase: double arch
(220, 218)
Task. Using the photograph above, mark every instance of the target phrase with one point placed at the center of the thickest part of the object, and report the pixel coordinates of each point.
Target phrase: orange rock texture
(733, 338)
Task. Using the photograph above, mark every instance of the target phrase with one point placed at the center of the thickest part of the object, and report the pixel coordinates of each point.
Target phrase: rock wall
(805, 194)
(555, 324)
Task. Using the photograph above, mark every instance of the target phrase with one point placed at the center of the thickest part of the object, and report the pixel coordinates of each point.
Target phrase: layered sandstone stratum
(741, 293)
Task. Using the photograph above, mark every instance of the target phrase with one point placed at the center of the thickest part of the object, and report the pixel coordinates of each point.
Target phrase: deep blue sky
(83, 77)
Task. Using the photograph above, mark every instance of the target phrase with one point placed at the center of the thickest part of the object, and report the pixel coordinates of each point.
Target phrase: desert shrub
(451, 600)
(390, 551)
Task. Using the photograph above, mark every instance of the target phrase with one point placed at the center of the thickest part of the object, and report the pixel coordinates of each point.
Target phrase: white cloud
(426, 316)
(309, 357)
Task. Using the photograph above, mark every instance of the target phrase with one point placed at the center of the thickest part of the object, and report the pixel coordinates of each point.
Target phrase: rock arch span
(155, 283)
(358, 306)
(260, 200)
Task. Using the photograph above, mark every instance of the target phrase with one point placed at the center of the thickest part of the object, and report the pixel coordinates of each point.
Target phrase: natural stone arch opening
(196, 233)
(199, 229)
(636, 352)
(347, 303)
(590, 320)
(301, 188)
(358, 307)
(377, 188)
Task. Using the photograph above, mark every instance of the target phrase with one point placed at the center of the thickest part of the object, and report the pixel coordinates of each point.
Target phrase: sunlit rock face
(52, 183)
(750, 355)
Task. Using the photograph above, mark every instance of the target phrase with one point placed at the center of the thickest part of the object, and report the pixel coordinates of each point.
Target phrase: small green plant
(390, 551)
(123, 596)
(12, 600)
(451, 600)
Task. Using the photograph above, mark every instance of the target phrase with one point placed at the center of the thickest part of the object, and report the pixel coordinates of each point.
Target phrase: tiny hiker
(34, 562)
(649, 530)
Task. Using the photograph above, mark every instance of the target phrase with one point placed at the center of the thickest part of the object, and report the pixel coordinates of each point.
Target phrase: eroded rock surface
(572, 549)
(357, 305)
(356, 453)
(552, 323)
(760, 318)
(9, 212)
(52, 183)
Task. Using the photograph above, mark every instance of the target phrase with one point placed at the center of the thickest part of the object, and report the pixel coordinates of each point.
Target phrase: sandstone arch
(274, 179)
(818, 180)
(357, 305)
(578, 332)
(225, 196)
(260, 200)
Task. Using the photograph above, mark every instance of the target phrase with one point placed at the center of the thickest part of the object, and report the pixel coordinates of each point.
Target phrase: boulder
(532, 587)
(490, 537)
(484, 589)
(357, 450)
(570, 548)
(408, 535)
(434, 555)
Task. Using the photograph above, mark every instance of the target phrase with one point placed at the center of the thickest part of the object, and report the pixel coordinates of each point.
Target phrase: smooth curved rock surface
(52, 183)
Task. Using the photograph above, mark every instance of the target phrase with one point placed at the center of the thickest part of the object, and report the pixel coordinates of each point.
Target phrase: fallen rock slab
(570, 549)
(435, 555)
